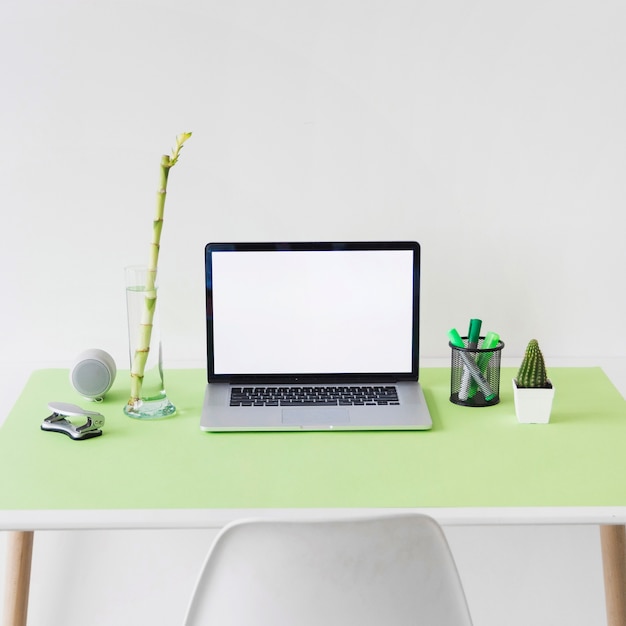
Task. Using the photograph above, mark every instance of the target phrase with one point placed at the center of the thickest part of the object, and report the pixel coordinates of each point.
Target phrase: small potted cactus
(532, 390)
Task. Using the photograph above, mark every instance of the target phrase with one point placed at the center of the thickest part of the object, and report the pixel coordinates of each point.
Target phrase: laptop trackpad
(314, 416)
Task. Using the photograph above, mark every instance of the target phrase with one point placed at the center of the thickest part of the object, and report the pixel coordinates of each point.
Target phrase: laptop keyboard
(314, 396)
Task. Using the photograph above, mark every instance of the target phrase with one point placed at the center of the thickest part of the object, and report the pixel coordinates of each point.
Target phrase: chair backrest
(386, 571)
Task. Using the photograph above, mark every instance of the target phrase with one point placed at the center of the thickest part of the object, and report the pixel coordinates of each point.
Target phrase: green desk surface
(471, 458)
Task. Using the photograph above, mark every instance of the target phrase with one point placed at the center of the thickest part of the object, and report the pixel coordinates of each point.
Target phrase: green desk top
(471, 458)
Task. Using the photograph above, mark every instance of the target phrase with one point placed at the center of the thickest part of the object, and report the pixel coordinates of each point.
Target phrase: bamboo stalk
(145, 334)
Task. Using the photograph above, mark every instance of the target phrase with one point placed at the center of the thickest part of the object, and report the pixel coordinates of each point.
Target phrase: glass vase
(148, 398)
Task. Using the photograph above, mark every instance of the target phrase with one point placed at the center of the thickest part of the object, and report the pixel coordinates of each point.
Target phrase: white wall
(492, 132)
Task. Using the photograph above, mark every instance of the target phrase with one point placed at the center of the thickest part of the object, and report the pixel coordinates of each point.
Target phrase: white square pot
(533, 406)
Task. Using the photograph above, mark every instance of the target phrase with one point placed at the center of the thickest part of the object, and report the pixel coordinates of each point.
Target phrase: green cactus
(532, 372)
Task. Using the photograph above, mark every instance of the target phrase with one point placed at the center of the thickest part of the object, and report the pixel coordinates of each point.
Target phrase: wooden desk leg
(19, 556)
(613, 539)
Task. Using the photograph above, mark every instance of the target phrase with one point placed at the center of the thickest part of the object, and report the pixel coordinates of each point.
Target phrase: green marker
(455, 338)
(474, 333)
(473, 336)
(490, 341)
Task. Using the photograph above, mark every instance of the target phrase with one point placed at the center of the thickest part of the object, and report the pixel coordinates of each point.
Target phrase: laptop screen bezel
(326, 377)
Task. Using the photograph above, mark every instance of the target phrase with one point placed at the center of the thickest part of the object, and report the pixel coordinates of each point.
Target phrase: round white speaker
(93, 373)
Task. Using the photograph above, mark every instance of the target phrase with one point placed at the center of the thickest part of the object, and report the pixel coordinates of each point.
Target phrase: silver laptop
(313, 336)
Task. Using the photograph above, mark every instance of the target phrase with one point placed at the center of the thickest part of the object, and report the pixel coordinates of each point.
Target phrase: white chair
(394, 570)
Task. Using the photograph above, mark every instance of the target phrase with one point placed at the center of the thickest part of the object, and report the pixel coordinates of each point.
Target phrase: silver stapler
(58, 422)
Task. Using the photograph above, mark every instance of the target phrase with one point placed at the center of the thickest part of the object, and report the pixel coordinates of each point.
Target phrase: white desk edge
(160, 519)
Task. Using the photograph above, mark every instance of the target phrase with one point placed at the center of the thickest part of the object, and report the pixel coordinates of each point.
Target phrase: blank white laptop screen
(312, 311)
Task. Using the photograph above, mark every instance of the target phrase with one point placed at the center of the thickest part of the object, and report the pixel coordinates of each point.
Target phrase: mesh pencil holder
(475, 374)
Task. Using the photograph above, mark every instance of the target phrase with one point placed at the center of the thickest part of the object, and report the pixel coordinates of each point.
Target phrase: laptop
(313, 336)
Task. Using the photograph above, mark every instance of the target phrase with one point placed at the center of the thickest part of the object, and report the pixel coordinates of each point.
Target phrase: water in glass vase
(148, 398)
